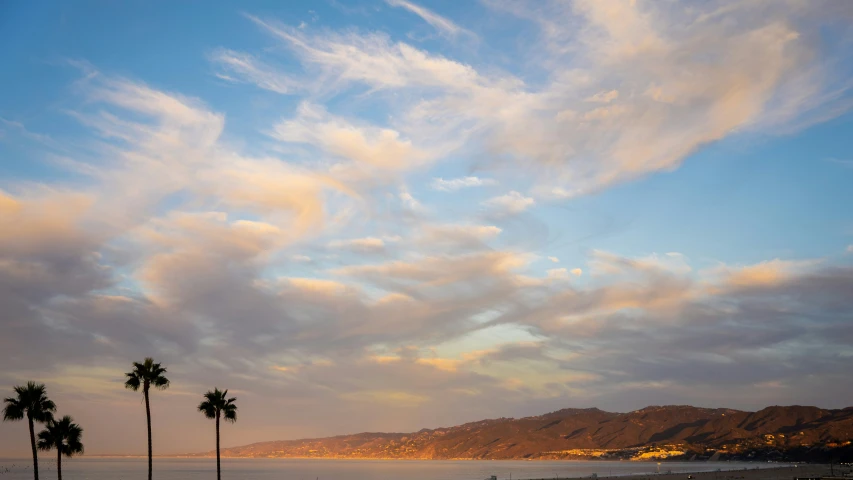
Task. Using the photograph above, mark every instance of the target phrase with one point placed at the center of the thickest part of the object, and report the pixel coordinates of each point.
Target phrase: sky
(384, 215)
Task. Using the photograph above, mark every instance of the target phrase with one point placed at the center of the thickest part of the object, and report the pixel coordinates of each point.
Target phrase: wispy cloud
(511, 203)
(371, 59)
(247, 68)
(365, 245)
(604, 97)
(453, 184)
(364, 144)
(21, 130)
(842, 162)
(585, 137)
(442, 24)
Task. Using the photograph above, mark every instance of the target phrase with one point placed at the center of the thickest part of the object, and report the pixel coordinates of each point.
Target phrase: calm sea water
(327, 469)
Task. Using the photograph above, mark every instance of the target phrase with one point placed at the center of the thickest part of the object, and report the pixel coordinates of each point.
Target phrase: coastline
(770, 473)
(645, 470)
(663, 462)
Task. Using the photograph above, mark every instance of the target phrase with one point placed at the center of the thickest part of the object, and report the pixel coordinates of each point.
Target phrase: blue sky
(474, 208)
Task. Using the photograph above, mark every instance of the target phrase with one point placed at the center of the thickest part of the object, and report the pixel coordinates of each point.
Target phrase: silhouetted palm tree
(146, 375)
(214, 406)
(32, 402)
(64, 436)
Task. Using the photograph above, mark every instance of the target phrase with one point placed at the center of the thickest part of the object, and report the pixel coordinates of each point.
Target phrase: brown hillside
(545, 436)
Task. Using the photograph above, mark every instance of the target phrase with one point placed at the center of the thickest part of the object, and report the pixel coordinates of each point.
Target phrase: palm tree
(146, 375)
(214, 406)
(32, 402)
(64, 436)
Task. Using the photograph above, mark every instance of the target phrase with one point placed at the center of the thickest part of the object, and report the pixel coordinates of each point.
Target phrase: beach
(92, 468)
(749, 473)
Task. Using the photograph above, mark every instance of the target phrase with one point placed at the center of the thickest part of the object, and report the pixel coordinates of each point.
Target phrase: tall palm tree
(146, 375)
(216, 404)
(31, 402)
(64, 436)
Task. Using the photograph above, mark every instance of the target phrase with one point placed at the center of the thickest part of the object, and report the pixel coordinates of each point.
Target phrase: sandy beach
(780, 473)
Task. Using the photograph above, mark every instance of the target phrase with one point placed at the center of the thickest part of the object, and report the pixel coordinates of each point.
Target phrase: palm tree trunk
(218, 475)
(59, 463)
(35, 453)
(148, 416)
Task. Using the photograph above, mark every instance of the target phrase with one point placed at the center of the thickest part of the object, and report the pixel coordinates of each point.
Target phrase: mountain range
(654, 432)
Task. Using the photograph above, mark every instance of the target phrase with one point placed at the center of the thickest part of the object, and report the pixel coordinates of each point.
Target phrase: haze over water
(333, 469)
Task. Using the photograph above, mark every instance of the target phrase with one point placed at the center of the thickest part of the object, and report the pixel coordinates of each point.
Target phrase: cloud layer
(307, 277)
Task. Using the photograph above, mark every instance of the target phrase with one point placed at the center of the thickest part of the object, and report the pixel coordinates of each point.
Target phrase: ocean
(88, 468)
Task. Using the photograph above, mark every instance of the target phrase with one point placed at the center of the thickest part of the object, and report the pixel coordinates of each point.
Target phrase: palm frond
(42, 416)
(13, 409)
(46, 439)
(230, 412)
(63, 435)
(132, 382)
(215, 404)
(145, 374)
(160, 382)
(207, 409)
(31, 401)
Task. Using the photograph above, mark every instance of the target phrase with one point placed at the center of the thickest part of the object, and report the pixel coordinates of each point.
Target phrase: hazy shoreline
(770, 473)
(663, 462)
(480, 469)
